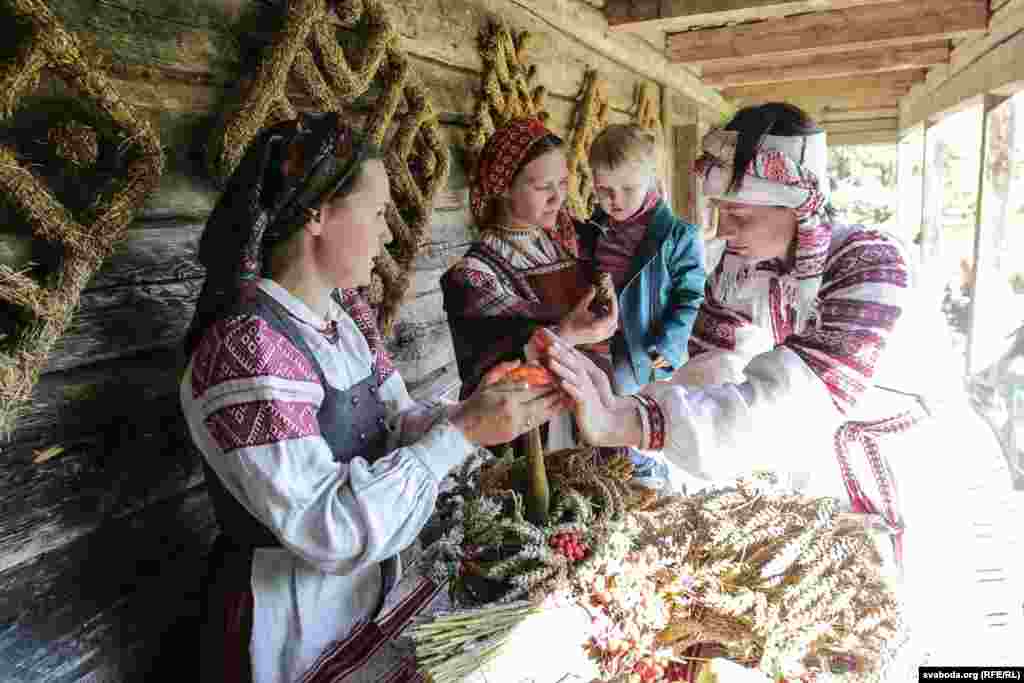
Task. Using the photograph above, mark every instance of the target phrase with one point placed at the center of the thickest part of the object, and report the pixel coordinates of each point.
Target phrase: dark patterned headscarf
(262, 207)
(499, 163)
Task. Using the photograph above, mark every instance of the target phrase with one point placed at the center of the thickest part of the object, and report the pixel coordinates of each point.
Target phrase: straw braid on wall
(416, 158)
(591, 118)
(646, 107)
(48, 306)
(507, 91)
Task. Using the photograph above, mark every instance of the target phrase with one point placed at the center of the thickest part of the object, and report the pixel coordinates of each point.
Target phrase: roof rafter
(876, 26)
(838, 65)
(679, 15)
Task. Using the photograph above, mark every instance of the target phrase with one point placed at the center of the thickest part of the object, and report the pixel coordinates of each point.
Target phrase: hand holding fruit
(512, 399)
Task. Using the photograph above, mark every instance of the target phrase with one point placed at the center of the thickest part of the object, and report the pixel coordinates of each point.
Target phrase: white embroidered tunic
(762, 397)
(250, 399)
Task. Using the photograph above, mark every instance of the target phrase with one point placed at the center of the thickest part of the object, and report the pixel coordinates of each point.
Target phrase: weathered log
(113, 322)
(153, 252)
(107, 603)
(45, 506)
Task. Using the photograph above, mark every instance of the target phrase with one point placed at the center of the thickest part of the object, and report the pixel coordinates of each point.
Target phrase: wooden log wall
(104, 519)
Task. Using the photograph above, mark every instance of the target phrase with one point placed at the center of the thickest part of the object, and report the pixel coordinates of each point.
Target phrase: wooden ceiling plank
(822, 97)
(831, 115)
(680, 15)
(871, 137)
(898, 23)
(837, 127)
(842, 64)
(896, 81)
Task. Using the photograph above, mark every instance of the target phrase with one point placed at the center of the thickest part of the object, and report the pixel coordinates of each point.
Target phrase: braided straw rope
(591, 118)
(49, 306)
(507, 91)
(416, 156)
(646, 107)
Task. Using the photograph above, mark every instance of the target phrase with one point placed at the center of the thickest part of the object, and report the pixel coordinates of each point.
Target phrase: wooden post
(684, 152)
(932, 277)
(668, 171)
(988, 281)
(925, 179)
(910, 184)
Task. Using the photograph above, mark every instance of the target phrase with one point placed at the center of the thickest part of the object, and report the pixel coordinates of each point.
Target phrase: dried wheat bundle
(775, 577)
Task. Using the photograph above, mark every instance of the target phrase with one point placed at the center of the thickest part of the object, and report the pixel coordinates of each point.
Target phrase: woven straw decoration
(48, 307)
(591, 118)
(646, 107)
(507, 91)
(416, 156)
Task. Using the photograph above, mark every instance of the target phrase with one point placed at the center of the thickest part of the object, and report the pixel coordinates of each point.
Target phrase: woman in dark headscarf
(524, 272)
(320, 466)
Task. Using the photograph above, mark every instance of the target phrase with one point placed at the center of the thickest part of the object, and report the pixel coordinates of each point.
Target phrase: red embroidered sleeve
(488, 298)
(249, 352)
(715, 327)
(860, 302)
(652, 420)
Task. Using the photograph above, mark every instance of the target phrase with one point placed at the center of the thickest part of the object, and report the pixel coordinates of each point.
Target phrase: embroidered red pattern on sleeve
(489, 298)
(862, 279)
(844, 349)
(246, 348)
(653, 420)
(259, 423)
(359, 309)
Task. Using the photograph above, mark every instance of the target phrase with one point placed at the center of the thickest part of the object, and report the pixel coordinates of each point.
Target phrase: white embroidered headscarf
(786, 171)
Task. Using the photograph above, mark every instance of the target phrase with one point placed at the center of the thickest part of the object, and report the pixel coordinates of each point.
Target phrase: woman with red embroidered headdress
(524, 271)
(320, 466)
(812, 357)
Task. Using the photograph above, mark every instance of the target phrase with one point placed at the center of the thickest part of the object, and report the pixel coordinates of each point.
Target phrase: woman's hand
(604, 418)
(583, 327)
(499, 411)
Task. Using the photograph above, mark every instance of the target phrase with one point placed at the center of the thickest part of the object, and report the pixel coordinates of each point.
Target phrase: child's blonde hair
(625, 143)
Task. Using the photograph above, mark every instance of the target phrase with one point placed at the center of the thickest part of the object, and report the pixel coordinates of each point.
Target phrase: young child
(655, 259)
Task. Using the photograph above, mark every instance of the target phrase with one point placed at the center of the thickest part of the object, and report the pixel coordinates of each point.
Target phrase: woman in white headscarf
(811, 357)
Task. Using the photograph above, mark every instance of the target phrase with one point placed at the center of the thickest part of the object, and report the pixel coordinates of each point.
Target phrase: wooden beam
(819, 96)
(898, 23)
(992, 260)
(865, 126)
(680, 15)
(588, 26)
(857, 62)
(873, 137)
(991, 63)
(836, 115)
(685, 143)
